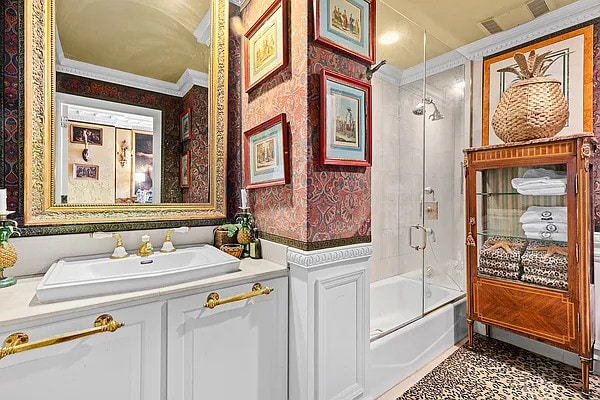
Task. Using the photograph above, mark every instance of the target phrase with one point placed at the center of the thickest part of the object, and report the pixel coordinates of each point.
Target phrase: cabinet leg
(585, 373)
(487, 330)
(470, 331)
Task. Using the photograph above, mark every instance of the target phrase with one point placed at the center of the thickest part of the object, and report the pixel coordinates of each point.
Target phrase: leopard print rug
(496, 370)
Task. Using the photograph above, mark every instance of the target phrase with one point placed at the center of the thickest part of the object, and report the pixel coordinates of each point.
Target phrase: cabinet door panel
(125, 364)
(234, 351)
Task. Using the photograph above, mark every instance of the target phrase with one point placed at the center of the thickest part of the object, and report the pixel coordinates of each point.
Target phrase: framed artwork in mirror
(184, 170)
(82, 133)
(347, 25)
(571, 54)
(85, 172)
(266, 155)
(266, 45)
(185, 124)
(345, 120)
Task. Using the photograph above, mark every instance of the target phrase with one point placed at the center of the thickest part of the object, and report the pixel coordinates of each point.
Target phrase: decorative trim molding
(202, 32)
(188, 79)
(319, 258)
(389, 73)
(565, 17)
(310, 246)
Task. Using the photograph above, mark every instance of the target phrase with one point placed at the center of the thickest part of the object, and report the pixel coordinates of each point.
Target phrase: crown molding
(188, 79)
(390, 74)
(202, 32)
(319, 258)
(565, 17)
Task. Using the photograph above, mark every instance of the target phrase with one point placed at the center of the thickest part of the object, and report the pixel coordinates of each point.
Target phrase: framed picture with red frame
(345, 120)
(266, 45)
(347, 25)
(185, 125)
(266, 154)
(185, 165)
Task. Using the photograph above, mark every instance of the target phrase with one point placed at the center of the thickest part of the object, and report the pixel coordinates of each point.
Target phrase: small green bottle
(255, 248)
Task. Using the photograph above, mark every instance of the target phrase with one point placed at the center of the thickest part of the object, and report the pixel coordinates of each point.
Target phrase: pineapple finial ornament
(534, 106)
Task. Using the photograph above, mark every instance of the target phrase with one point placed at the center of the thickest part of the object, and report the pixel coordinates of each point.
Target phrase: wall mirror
(117, 93)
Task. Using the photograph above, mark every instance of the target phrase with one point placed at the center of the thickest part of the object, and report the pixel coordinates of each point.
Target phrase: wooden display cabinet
(527, 276)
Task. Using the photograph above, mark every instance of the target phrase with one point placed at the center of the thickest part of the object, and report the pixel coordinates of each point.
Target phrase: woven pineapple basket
(534, 108)
(531, 108)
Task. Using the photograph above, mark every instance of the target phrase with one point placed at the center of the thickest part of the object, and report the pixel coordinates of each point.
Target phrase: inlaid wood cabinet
(529, 241)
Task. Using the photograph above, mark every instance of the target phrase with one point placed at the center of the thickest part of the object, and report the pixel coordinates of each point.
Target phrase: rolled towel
(537, 183)
(546, 272)
(498, 273)
(549, 255)
(545, 191)
(555, 227)
(503, 249)
(498, 265)
(544, 214)
(543, 281)
(559, 237)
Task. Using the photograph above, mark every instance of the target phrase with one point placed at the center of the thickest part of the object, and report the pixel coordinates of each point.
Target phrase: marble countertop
(19, 304)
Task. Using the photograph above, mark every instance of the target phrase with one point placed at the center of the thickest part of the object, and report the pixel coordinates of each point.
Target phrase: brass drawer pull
(257, 290)
(19, 342)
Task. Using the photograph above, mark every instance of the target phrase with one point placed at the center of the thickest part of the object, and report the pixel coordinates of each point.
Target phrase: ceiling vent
(538, 7)
(490, 26)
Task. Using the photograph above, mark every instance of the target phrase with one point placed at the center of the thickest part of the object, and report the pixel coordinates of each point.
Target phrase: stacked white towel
(541, 181)
(545, 223)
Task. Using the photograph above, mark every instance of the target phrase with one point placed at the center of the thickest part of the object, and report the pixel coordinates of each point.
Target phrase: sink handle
(119, 251)
(167, 246)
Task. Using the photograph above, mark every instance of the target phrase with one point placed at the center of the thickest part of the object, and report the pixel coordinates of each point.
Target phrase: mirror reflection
(130, 77)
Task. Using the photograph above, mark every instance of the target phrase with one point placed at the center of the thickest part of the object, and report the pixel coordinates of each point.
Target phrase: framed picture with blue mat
(345, 120)
(347, 25)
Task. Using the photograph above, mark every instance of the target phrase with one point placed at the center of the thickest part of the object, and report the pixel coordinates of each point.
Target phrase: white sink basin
(73, 278)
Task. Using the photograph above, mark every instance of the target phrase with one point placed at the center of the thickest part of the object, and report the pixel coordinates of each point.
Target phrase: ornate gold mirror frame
(39, 78)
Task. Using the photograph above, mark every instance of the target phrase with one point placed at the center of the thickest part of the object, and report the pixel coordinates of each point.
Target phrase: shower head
(420, 109)
(437, 115)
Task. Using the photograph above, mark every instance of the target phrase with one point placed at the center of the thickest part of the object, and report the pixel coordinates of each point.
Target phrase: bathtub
(396, 352)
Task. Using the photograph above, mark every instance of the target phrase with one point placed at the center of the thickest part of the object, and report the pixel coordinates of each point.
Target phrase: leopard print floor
(497, 370)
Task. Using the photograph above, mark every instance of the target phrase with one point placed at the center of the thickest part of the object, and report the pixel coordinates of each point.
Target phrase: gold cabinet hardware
(19, 342)
(257, 290)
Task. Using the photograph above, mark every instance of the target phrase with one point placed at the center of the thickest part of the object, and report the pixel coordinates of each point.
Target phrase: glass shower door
(442, 205)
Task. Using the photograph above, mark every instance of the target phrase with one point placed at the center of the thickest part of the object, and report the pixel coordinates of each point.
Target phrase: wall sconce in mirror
(123, 153)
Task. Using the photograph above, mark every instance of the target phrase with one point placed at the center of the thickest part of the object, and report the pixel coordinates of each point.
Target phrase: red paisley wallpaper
(197, 101)
(282, 210)
(321, 203)
(9, 107)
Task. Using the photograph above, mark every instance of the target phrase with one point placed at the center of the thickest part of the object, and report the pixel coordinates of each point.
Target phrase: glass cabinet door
(522, 225)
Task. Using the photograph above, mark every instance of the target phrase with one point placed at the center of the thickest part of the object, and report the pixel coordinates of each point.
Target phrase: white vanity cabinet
(124, 364)
(236, 350)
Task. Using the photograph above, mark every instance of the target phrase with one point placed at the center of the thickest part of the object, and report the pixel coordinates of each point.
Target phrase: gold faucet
(145, 248)
(119, 251)
(167, 246)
